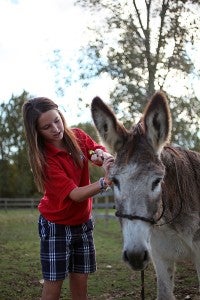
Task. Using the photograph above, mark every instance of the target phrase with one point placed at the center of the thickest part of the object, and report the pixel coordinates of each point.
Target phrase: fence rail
(10, 203)
(102, 201)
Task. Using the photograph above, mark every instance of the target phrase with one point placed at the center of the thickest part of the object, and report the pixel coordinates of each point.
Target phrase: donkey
(157, 191)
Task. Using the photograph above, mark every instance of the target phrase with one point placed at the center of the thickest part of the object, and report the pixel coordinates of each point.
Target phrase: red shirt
(63, 177)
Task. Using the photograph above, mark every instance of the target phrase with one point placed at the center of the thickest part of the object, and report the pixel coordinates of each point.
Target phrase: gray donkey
(157, 191)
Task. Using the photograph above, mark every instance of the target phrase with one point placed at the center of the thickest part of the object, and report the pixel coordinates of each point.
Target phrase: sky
(29, 32)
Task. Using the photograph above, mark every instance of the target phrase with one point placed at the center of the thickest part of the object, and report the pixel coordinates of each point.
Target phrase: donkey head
(137, 172)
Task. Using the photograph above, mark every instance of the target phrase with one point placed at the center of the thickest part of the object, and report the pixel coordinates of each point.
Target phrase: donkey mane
(183, 166)
(181, 182)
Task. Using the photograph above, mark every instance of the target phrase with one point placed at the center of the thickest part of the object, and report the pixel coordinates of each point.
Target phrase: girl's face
(50, 127)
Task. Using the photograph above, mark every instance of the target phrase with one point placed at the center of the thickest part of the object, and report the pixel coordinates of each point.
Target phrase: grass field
(21, 273)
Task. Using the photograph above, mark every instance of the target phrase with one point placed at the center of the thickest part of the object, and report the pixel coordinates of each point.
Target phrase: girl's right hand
(99, 156)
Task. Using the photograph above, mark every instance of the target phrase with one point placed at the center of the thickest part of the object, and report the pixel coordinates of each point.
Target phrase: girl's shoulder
(79, 133)
(84, 140)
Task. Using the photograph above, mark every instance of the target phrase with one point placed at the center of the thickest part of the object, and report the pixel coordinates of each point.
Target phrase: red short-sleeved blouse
(64, 176)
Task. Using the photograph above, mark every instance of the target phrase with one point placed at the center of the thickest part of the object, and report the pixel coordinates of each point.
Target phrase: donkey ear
(157, 121)
(110, 130)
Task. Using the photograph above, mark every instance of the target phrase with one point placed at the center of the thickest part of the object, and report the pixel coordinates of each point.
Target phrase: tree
(15, 175)
(145, 46)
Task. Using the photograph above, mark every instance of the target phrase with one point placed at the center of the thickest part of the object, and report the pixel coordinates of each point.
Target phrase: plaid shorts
(66, 249)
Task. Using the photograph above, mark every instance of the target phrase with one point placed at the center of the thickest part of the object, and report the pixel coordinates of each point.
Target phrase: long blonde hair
(31, 111)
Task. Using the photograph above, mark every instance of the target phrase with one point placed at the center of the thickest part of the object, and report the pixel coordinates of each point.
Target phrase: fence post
(32, 204)
(106, 210)
(5, 205)
(95, 199)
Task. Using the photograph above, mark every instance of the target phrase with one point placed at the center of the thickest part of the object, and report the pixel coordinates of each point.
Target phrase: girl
(59, 158)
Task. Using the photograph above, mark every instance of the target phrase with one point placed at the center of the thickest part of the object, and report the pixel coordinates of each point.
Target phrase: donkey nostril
(137, 260)
(125, 256)
(145, 255)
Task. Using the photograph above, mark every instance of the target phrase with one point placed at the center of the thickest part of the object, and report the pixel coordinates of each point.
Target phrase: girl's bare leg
(51, 290)
(78, 286)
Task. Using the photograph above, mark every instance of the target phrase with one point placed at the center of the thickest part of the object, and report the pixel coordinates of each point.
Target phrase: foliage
(15, 175)
(145, 46)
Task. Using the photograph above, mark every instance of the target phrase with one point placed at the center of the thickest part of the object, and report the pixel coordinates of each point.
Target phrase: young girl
(59, 158)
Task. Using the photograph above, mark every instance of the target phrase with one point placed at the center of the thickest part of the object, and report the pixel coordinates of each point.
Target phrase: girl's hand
(106, 166)
(98, 156)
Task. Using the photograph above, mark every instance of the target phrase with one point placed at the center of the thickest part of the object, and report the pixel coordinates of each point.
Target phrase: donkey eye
(116, 182)
(155, 183)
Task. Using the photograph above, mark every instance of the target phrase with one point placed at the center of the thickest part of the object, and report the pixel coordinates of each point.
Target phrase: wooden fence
(15, 203)
(102, 204)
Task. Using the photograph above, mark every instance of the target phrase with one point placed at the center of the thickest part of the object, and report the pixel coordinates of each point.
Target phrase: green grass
(21, 272)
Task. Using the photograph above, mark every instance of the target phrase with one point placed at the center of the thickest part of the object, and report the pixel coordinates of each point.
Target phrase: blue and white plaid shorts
(66, 249)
